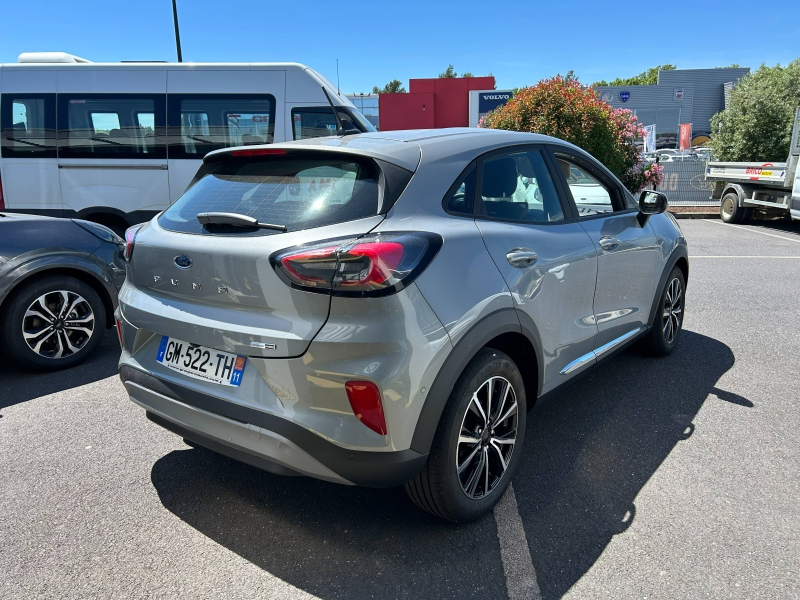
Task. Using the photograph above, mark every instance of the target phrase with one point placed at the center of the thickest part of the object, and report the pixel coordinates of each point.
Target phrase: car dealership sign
(490, 100)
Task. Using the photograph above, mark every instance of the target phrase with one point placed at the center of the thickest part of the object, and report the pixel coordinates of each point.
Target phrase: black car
(58, 288)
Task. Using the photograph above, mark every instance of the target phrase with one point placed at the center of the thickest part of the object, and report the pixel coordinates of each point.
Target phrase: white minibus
(116, 143)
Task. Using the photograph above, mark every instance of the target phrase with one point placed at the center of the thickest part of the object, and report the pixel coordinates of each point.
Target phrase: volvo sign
(482, 102)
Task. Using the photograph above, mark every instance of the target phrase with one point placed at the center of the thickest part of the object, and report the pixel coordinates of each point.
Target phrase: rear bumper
(261, 439)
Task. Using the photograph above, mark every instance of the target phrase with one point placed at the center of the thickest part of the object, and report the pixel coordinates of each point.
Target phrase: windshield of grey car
(295, 193)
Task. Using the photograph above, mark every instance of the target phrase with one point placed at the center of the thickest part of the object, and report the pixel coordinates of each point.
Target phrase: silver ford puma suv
(385, 308)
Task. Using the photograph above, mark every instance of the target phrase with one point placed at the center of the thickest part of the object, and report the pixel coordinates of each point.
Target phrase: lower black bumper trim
(206, 442)
(370, 469)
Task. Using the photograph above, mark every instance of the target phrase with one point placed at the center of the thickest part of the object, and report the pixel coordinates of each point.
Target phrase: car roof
(405, 148)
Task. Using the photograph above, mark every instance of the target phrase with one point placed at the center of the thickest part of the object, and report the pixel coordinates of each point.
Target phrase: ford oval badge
(183, 261)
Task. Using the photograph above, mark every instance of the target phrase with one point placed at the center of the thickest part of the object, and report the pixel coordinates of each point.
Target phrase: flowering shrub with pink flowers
(564, 108)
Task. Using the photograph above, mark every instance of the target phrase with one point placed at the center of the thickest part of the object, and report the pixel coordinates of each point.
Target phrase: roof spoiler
(50, 57)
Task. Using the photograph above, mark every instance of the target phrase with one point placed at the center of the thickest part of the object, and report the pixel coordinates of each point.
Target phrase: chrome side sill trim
(578, 362)
(613, 343)
(597, 352)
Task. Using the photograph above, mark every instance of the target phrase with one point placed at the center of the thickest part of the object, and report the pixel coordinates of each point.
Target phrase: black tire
(657, 342)
(747, 215)
(439, 488)
(77, 338)
(729, 209)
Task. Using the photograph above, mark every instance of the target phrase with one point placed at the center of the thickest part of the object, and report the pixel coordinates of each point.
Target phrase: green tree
(467, 74)
(648, 77)
(757, 125)
(564, 108)
(395, 86)
(449, 73)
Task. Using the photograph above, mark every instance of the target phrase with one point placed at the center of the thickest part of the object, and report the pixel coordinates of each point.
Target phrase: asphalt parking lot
(650, 478)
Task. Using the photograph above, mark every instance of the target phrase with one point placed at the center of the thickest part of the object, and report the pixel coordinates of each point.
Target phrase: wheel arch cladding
(500, 330)
(679, 258)
(81, 275)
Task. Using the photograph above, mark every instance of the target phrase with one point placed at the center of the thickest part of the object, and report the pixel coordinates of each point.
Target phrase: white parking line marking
(780, 237)
(744, 256)
(517, 564)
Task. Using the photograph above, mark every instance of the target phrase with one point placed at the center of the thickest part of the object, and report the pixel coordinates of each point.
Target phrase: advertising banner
(686, 136)
(650, 138)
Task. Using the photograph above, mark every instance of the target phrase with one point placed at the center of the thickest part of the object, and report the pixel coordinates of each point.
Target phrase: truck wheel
(478, 442)
(729, 209)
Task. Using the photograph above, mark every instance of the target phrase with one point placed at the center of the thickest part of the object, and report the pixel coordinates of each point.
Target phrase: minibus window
(103, 122)
(200, 123)
(111, 126)
(28, 125)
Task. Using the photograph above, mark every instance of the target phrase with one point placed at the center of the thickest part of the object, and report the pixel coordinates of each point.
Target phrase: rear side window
(111, 126)
(200, 123)
(299, 193)
(460, 197)
(28, 126)
(518, 187)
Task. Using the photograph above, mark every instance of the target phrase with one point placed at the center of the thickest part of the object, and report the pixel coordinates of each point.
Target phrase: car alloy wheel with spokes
(487, 437)
(58, 324)
(673, 311)
(474, 452)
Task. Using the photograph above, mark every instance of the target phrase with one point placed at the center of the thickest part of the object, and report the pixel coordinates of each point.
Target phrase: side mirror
(652, 203)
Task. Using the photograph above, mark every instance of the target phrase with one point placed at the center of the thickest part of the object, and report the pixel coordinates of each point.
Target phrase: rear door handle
(521, 257)
(608, 243)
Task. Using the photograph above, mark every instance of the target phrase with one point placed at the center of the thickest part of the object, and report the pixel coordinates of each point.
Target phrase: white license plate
(201, 362)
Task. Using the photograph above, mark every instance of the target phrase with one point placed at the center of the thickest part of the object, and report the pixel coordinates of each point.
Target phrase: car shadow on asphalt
(20, 385)
(588, 453)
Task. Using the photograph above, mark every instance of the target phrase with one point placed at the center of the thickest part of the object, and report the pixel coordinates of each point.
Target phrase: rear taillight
(119, 333)
(130, 239)
(374, 265)
(2, 198)
(365, 400)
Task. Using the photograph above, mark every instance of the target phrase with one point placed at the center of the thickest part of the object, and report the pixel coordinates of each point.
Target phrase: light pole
(177, 31)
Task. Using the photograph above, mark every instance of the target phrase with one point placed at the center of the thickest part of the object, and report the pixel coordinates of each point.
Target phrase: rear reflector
(365, 400)
(259, 152)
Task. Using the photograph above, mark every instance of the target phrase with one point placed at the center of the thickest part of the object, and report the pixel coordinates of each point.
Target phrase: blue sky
(519, 42)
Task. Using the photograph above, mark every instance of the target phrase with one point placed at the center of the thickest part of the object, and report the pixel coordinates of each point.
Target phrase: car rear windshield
(298, 193)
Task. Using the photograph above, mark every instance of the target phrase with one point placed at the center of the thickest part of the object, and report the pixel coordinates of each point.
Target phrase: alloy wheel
(487, 437)
(58, 324)
(673, 310)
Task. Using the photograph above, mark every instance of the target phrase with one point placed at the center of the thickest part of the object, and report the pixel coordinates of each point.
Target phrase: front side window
(28, 126)
(110, 126)
(590, 195)
(518, 187)
(298, 193)
(201, 123)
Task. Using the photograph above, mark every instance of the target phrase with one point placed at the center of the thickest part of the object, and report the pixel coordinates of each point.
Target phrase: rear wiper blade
(234, 220)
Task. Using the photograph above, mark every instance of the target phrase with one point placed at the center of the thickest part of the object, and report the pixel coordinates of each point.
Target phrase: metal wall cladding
(709, 91)
(699, 93)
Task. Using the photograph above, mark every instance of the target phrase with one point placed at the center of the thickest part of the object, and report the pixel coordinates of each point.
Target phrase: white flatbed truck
(773, 188)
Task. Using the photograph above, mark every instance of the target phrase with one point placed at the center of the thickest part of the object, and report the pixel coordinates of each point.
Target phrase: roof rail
(50, 57)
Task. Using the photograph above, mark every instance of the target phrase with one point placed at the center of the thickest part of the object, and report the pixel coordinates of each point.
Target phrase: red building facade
(431, 103)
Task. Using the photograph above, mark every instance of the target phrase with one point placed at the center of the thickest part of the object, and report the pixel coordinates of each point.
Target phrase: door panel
(556, 291)
(627, 254)
(626, 274)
